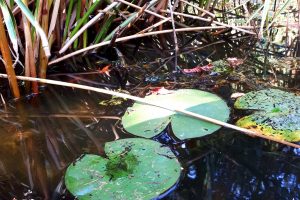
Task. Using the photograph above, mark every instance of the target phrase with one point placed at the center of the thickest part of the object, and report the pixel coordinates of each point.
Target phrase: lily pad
(148, 121)
(135, 169)
(273, 100)
(277, 113)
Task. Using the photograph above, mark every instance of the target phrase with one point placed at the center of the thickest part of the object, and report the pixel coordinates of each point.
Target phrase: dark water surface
(41, 135)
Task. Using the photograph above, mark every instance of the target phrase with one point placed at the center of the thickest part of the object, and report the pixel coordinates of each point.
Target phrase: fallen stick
(142, 100)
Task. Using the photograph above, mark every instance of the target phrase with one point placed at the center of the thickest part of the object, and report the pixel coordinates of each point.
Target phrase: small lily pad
(148, 121)
(135, 169)
(277, 113)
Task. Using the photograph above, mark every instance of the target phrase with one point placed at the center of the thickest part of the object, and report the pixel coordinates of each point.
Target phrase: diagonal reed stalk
(193, 29)
(90, 23)
(176, 50)
(167, 107)
(4, 47)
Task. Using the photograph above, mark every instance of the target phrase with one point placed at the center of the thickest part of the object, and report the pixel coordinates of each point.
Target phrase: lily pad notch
(136, 168)
(148, 121)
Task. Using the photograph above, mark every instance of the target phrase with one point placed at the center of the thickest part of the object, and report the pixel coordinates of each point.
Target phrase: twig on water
(144, 101)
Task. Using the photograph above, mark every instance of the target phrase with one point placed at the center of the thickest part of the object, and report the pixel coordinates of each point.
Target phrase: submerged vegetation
(191, 67)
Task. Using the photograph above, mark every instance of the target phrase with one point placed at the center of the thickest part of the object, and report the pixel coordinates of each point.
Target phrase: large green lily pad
(277, 113)
(135, 169)
(148, 121)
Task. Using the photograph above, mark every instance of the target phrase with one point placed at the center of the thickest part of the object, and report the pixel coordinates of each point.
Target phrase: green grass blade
(266, 9)
(279, 12)
(254, 14)
(102, 33)
(36, 25)
(124, 24)
(10, 25)
(85, 17)
(68, 17)
(78, 12)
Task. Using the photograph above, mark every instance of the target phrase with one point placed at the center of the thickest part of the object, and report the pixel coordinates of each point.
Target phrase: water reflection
(36, 148)
(242, 168)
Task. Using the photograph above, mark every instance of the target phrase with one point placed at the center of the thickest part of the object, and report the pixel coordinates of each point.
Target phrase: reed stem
(4, 47)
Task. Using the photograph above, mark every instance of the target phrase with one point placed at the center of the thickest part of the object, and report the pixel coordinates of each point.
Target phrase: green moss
(269, 128)
(275, 110)
(121, 165)
(221, 66)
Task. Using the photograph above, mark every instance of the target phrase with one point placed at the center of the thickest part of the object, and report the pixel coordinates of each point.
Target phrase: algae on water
(277, 113)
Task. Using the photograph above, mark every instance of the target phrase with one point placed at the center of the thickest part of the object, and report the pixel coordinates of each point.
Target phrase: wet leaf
(198, 69)
(277, 113)
(135, 169)
(235, 62)
(148, 121)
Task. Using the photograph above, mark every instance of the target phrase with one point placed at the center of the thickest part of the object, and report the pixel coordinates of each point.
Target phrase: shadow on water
(41, 135)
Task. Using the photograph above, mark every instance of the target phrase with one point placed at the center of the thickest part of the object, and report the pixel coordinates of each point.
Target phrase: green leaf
(10, 25)
(148, 121)
(85, 17)
(36, 25)
(277, 114)
(135, 169)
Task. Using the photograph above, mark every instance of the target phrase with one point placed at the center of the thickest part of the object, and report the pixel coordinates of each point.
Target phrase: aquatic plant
(277, 113)
(148, 121)
(134, 169)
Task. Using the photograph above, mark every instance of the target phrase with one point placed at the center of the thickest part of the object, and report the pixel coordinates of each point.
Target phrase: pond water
(41, 135)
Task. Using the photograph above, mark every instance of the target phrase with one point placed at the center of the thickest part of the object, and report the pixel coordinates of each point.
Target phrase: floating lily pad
(277, 115)
(269, 100)
(148, 121)
(135, 169)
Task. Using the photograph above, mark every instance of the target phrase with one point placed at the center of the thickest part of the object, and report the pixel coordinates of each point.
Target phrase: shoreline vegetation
(44, 33)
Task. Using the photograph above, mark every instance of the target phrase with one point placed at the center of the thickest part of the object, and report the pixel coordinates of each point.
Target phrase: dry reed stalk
(30, 68)
(70, 41)
(4, 47)
(209, 20)
(174, 35)
(193, 29)
(198, 8)
(35, 36)
(154, 25)
(162, 38)
(167, 107)
(45, 26)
